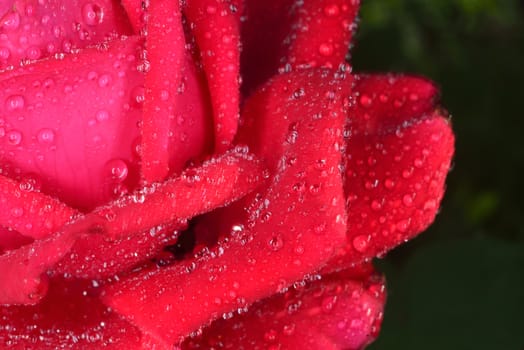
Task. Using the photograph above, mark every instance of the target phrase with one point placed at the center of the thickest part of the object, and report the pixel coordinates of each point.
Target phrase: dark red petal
(322, 33)
(335, 313)
(23, 279)
(70, 316)
(35, 29)
(266, 26)
(397, 161)
(10, 240)
(30, 212)
(385, 101)
(293, 230)
(280, 32)
(135, 13)
(215, 25)
(165, 47)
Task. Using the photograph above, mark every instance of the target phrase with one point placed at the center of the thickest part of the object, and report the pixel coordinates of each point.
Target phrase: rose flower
(203, 174)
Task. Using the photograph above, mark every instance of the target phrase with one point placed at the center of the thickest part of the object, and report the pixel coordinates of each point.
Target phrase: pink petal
(73, 122)
(286, 237)
(336, 313)
(165, 56)
(215, 25)
(36, 29)
(76, 123)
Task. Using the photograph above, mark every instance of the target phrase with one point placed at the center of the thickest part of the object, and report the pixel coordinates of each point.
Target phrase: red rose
(120, 124)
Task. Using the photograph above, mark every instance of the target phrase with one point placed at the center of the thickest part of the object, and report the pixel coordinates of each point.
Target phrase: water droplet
(102, 115)
(4, 53)
(33, 52)
(365, 101)
(389, 184)
(407, 200)
(328, 303)
(403, 225)
(276, 242)
(361, 243)
(406, 174)
(104, 80)
(46, 136)
(14, 102)
(17, 212)
(118, 169)
(92, 14)
(331, 10)
(376, 205)
(14, 137)
(326, 49)
(271, 335)
(430, 204)
(10, 21)
(138, 95)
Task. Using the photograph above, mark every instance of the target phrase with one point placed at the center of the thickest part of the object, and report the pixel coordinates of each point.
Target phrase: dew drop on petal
(118, 169)
(276, 242)
(92, 14)
(331, 10)
(46, 136)
(14, 102)
(14, 137)
(365, 101)
(102, 115)
(360, 243)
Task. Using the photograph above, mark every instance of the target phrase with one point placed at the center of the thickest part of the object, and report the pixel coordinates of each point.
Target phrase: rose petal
(165, 55)
(397, 160)
(215, 25)
(70, 316)
(29, 212)
(385, 101)
(266, 25)
(337, 312)
(10, 240)
(74, 123)
(283, 241)
(135, 13)
(22, 280)
(36, 29)
(216, 183)
(276, 33)
(322, 33)
(94, 257)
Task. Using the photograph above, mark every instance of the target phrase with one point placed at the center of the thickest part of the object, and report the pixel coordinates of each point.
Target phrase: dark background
(460, 285)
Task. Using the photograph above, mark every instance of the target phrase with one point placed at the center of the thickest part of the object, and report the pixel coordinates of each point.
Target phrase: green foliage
(474, 49)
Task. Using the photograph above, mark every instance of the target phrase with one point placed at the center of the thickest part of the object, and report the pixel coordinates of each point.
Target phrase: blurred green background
(460, 285)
